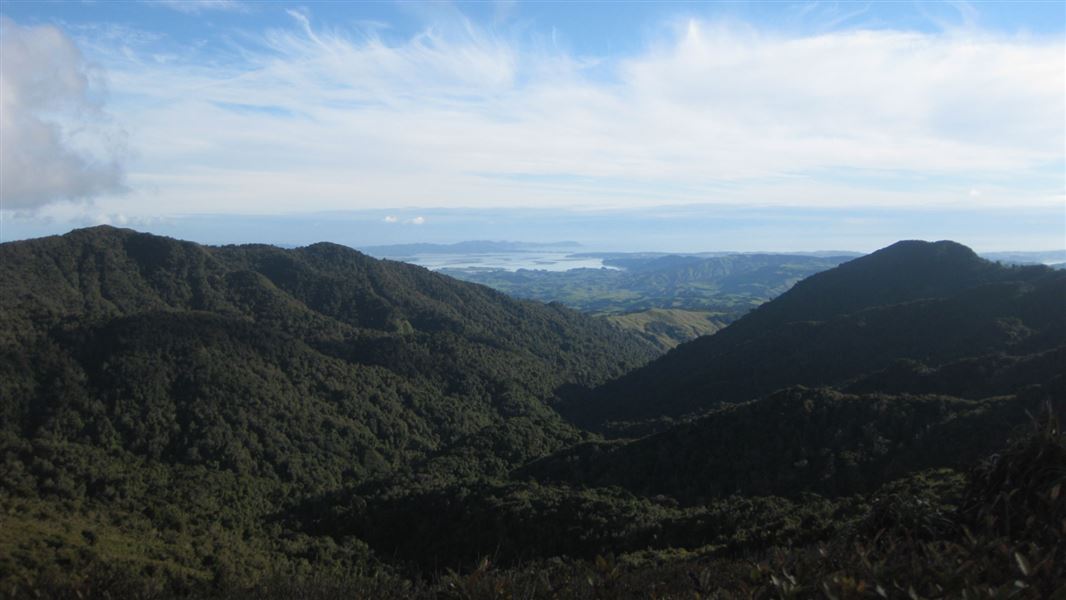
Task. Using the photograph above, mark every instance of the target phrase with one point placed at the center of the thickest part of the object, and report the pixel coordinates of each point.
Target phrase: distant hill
(728, 284)
(930, 302)
(716, 253)
(470, 247)
(1049, 257)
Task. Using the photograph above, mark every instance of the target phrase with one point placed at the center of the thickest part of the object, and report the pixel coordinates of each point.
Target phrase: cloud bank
(56, 141)
(309, 117)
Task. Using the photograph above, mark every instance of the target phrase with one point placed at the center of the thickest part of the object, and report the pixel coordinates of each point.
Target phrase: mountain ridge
(430, 359)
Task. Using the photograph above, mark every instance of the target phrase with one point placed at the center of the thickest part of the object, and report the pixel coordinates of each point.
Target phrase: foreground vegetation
(996, 532)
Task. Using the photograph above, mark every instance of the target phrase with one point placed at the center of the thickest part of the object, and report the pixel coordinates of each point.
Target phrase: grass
(668, 327)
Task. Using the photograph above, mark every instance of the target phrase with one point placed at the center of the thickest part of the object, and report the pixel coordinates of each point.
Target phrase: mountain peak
(907, 270)
(98, 231)
(943, 251)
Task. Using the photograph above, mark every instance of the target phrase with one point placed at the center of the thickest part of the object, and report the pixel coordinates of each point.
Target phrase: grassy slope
(668, 327)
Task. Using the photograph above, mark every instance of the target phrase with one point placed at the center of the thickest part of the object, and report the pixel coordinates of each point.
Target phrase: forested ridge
(179, 420)
(927, 302)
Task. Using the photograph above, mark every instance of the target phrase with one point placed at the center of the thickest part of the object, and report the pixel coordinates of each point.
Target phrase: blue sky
(643, 125)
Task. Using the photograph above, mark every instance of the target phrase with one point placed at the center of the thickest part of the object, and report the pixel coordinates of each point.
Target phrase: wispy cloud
(313, 117)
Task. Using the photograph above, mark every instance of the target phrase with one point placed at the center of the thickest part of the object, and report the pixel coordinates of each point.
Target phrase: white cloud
(56, 143)
(312, 118)
(419, 220)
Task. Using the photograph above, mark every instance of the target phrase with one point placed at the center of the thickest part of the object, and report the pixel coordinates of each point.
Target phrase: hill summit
(931, 302)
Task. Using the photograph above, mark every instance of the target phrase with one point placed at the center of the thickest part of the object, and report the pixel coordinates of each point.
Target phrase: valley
(182, 420)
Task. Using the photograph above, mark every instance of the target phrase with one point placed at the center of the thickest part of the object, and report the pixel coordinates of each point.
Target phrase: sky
(621, 125)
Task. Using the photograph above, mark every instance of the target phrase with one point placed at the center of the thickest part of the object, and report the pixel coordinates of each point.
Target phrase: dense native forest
(179, 420)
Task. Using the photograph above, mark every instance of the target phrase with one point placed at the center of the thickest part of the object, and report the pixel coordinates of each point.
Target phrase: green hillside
(131, 363)
(801, 440)
(185, 421)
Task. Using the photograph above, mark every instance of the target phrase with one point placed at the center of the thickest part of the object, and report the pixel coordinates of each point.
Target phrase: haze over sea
(510, 261)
